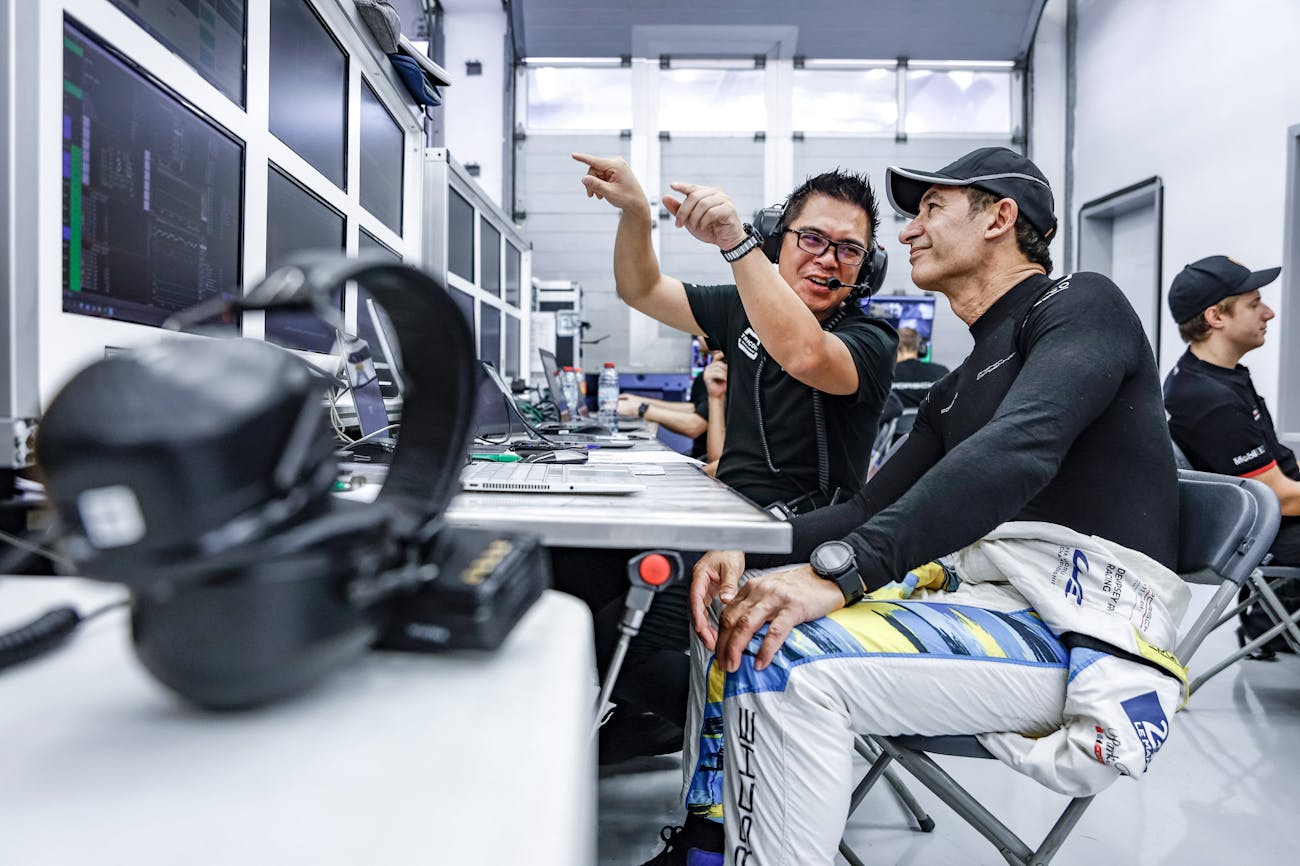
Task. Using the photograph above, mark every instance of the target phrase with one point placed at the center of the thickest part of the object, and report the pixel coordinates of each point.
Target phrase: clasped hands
(783, 599)
(705, 211)
(780, 599)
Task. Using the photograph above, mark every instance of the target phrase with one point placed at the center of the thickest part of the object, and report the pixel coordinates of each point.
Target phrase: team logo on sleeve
(1074, 584)
(1149, 722)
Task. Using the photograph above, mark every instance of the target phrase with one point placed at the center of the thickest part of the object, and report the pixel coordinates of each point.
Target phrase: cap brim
(905, 188)
(1259, 279)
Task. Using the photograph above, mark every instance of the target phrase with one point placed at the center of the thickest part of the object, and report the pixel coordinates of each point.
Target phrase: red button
(656, 569)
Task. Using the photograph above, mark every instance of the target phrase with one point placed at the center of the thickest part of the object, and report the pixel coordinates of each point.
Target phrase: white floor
(1225, 789)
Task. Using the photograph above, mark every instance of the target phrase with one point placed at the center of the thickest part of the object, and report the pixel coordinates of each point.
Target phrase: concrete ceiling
(831, 29)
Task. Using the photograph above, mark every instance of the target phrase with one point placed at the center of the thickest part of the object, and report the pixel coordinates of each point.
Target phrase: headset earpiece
(769, 222)
(872, 273)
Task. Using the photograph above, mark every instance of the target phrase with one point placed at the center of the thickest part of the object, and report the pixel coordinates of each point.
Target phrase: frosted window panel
(958, 100)
(712, 100)
(845, 100)
(576, 98)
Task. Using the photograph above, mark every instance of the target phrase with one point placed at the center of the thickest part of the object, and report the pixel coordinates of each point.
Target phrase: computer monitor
(308, 88)
(382, 145)
(460, 235)
(905, 311)
(152, 192)
(206, 34)
(297, 221)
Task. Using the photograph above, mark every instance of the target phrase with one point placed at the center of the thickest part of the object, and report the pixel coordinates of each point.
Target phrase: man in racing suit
(1041, 473)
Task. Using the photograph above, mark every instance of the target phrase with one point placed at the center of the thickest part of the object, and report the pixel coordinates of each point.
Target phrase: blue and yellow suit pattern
(871, 628)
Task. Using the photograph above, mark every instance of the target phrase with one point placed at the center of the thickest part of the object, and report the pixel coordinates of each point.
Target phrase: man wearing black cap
(1215, 416)
(1040, 470)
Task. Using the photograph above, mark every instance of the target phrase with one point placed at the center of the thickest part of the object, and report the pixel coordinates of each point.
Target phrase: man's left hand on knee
(782, 600)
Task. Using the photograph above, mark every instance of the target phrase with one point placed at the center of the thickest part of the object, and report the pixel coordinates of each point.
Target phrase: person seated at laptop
(1041, 472)
(685, 417)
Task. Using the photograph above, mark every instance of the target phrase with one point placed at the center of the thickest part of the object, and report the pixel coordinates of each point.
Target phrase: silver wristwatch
(752, 240)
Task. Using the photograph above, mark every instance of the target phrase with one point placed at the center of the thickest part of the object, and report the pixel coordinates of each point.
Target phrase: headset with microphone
(200, 474)
(771, 225)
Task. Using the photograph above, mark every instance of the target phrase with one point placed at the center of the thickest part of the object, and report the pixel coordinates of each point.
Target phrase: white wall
(476, 30)
(1047, 115)
(1199, 92)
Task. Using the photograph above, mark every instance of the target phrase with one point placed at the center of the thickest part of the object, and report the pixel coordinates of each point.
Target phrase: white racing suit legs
(775, 753)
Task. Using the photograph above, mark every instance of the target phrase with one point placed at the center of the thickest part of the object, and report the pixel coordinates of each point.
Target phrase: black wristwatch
(642, 409)
(835, 561)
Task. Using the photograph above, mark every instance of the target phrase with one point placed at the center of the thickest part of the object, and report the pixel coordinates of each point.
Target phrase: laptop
(367, 398)
(489, 476)
(498, 398)
(570, 422)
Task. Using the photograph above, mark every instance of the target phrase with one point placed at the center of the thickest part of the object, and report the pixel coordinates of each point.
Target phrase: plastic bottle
(607, 397)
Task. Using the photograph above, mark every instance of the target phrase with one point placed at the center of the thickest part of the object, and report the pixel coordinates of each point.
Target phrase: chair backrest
(1225, 525)
(880, 446)
(1180, 459)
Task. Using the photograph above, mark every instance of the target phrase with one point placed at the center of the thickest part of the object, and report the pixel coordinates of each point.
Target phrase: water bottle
(569, 381)
(607, 397)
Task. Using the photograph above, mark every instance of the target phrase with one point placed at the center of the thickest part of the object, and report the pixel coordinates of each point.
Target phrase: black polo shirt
(786, 427)
(1219, 421)
(913, 379)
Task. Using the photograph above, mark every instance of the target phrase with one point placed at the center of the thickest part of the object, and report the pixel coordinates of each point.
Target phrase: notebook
(496, 399)
(548, 478)
(569, 421)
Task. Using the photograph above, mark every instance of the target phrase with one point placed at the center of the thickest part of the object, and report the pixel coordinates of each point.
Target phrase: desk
(682, 509)
(395, 759)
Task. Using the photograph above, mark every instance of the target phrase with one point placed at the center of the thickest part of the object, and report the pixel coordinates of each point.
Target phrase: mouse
(560, 456)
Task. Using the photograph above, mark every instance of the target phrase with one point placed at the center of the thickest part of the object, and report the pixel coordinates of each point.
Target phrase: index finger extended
(700, 597)
(599, 163)
(684, 188)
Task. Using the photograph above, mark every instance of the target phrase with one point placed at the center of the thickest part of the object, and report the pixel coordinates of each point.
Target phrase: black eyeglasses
(846, 252)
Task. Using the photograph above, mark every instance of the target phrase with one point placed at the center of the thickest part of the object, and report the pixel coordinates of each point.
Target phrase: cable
(45, 633)
(370, 436)
(8, 566)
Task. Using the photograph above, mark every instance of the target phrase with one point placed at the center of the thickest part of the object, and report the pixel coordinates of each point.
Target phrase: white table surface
(460, 758)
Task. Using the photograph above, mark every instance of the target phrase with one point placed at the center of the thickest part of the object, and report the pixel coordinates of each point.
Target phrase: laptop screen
(552, 371)
(492, 412)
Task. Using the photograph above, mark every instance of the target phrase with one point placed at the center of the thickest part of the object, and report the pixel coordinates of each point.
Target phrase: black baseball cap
(1204, 283)
(998, 170)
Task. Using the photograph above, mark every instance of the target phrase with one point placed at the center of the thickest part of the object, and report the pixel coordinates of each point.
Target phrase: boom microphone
(835, 285)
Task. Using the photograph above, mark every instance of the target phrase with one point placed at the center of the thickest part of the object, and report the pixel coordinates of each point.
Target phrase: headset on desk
(210, 499)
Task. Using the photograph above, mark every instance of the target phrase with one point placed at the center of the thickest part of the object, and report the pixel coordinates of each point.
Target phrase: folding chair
(1225, 527)
(1260, 588)
(880, 446)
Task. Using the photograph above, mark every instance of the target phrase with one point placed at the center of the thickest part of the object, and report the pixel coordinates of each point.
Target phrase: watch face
(832, 558)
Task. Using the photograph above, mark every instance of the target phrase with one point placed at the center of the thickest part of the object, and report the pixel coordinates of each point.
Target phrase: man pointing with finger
(797, 352)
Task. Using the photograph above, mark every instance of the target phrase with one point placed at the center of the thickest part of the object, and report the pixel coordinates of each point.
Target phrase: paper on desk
(624, 455)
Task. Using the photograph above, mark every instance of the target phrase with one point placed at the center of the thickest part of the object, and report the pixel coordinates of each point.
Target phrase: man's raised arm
(637, 278)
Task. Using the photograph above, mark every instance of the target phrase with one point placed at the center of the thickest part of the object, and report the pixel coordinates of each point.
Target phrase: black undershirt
(1060, 421)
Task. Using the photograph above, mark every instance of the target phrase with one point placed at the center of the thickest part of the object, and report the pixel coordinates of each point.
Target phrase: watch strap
(751, 242)
(642, 409)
